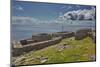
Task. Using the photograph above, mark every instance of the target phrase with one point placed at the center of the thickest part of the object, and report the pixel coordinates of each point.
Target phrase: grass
(77, 50)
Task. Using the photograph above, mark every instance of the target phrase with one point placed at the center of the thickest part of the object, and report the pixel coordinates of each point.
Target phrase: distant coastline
(19, 32)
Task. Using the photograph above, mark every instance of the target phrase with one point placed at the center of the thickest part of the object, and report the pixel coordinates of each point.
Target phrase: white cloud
(23, 20)
(66, 7)
(30, 20)
(84, 14)
(20, 8)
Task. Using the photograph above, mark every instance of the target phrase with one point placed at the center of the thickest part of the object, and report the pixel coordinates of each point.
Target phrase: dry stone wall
(41, 44)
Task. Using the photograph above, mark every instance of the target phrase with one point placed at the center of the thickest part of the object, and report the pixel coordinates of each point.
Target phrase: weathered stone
(61, 47)
(42, 41)
(41, 37)
(16, 44)
(80, 34)
(93, 57)
(43, 59)
(35, 46)
(19, 59)
(31, 59)
(23, 42)
(63, 34)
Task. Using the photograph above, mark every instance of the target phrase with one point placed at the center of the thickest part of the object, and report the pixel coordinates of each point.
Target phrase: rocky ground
(68, 50)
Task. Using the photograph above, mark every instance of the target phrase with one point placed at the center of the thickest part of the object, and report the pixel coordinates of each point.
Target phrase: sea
(21, 31)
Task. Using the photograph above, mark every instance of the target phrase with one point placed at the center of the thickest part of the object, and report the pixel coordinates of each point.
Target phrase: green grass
(78, 50)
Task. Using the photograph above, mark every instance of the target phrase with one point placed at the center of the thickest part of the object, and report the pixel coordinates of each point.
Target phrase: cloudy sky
(47, 11)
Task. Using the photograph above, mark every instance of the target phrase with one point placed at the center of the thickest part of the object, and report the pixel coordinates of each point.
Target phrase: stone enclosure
(43, 40)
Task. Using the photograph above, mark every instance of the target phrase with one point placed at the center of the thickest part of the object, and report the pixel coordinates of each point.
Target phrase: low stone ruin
(80, 34)
(41, 37)
(40, 41)
(63, 34)
(35, 46)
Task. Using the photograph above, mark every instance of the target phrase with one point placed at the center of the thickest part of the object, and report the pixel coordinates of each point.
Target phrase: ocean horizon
(23, 31)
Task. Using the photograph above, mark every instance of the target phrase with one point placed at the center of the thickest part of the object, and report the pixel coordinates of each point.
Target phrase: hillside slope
(68, 50)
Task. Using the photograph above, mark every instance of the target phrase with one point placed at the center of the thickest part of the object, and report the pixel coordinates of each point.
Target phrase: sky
(44, 11)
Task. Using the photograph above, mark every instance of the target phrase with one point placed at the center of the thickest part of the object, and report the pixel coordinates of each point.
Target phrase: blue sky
(43, 11)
